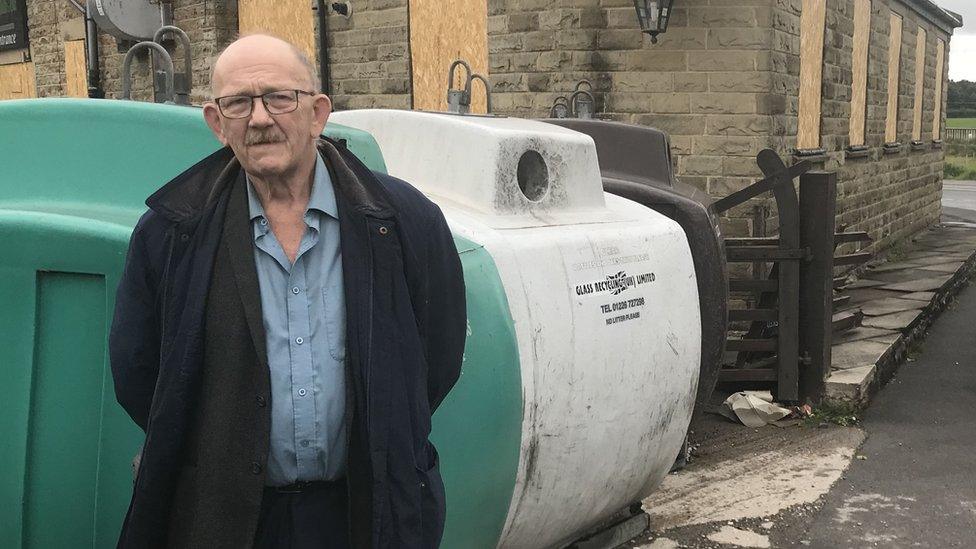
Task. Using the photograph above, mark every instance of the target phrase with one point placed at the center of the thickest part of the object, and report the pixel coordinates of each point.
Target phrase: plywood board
(291, 20)
(441, 32)
(919, 84)
(859, 68)
(894, 72)
(17, 81)
(939, 75)
(811, 73)
(76, 80)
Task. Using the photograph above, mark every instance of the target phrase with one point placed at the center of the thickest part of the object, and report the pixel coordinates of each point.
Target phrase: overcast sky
(962, 48)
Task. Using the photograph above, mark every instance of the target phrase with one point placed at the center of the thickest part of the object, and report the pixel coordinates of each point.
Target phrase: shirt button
(255, 468)
(304, 444)
(295, 290)
(302, 392)
(299, 340)
(261, 401)
(264, 221)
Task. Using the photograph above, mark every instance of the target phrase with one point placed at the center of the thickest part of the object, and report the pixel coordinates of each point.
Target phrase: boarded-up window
(811, 73)
(74, 69)
(290, 20)
(894, 66)
(17, 81)
(859, 68)
(939, 75)
(919, 84)
(441, 32)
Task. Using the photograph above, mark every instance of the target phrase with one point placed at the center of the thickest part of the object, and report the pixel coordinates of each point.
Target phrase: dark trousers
(314, 516)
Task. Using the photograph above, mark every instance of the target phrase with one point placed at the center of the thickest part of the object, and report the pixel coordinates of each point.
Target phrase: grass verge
(961, 122)
(960, 167)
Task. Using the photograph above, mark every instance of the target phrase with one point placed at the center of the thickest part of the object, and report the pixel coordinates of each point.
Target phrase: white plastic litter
(752, 408)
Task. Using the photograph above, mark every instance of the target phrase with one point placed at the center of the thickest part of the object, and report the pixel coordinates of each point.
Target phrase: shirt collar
(323, 194)
(322, 198)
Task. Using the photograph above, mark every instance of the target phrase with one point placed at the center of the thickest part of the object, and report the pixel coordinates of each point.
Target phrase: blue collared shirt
(304, 322)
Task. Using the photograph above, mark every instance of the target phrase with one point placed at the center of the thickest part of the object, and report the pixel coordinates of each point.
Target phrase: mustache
(260, 137)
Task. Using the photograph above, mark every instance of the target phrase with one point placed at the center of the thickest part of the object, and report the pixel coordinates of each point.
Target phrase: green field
(961, 122)
(960, 167)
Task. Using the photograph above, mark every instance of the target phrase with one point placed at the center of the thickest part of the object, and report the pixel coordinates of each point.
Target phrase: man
(286, 323)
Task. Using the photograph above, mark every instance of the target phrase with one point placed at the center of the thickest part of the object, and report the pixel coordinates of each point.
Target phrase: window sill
(810, 155)
(892, 148)
(859, 151)
(919, 145)
(936, 143)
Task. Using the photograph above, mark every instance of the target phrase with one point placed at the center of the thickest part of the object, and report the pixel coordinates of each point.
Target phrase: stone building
(856, 86)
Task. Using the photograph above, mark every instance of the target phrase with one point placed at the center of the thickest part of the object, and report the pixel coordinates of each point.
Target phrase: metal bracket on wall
(560, 108)
(164, 96)
(183, 81)
(342, 8)
(581, 102)
(459, 101)
(487, 86)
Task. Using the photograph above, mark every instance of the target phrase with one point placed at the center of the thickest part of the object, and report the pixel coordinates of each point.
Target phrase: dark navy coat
(405, 336)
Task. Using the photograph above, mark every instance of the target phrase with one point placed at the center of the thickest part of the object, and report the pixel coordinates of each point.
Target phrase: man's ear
(212, 116)
(321, 109)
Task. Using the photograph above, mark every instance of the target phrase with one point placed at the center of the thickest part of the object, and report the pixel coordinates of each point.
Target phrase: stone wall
(53, 20)
(369, 52)
(891, 196)
(370, 56)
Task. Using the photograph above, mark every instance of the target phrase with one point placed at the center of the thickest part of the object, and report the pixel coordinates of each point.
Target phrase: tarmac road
(916, 486)
(959, 201)
(916, 483)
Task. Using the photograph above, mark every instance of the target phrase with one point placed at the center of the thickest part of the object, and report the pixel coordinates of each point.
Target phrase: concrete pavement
(899, 300)
(916, 486)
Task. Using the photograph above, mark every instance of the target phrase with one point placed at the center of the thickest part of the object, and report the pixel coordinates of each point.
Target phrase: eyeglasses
(276, 102)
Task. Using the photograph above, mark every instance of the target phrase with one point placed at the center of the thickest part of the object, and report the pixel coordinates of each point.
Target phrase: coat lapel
(238, 241)
(357, 201)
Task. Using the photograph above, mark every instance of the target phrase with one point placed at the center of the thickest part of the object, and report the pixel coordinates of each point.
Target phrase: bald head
(255, 50)
(274, 137)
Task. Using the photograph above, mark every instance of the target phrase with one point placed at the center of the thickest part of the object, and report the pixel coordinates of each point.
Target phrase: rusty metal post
(818, 198)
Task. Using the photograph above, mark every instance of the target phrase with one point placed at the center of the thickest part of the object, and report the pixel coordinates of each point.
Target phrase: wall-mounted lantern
(653, 16)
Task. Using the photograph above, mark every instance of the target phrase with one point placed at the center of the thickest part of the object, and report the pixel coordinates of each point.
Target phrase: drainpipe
(95, 90)
(321, 10)
(324, 75)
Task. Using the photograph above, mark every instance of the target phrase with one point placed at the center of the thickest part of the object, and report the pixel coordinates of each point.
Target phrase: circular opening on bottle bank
(533, 176)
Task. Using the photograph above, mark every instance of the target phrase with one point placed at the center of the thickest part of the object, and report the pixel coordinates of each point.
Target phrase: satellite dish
(127, 19)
